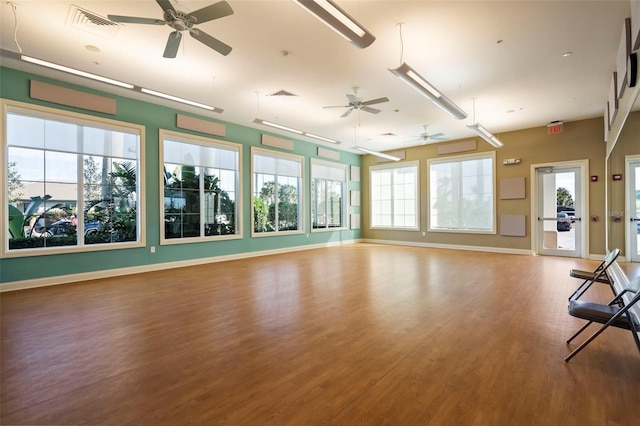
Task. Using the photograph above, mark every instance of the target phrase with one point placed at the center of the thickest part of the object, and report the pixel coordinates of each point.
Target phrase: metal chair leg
(579, 331)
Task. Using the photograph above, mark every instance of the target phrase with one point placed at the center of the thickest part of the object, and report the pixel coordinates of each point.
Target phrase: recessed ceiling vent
(282, 92)
(84, 20)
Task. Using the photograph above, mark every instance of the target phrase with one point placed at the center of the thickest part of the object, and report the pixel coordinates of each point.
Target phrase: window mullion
(80, 187)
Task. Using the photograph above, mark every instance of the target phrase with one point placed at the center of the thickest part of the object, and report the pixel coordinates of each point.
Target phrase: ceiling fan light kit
(181, 21)
(355, 103)
(485, 134)
(415, 80)
(338, 20)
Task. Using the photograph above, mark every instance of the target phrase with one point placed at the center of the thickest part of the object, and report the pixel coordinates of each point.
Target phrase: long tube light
(296, 131)
(415, 80)
(339, 21)
(96, 77)
(378, 154)
(486, 135)
(181, 100)
(75, 71)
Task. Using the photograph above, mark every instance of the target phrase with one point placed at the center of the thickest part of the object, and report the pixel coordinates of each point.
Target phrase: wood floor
(358, 334)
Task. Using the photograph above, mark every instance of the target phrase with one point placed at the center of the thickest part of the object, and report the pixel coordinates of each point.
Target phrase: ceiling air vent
(281, 92)
(88, 21)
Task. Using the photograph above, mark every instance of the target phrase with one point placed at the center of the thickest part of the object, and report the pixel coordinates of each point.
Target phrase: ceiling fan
(181, 21)
(355, 103)
(426, 137)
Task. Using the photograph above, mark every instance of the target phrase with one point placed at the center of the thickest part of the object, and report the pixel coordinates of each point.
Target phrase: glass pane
(461, 195)
(635, 226)
(263, 203)
(287, 209)
(335, 199)
(25, 131)
(61, 136)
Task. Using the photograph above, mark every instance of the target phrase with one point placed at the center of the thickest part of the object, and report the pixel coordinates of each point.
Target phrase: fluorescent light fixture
(486, 135)
(277, 126)
(415, 80)
(75, 71)
(322, 138)
(296, 131)
(181, 100)
(377, 154)
(338, 20)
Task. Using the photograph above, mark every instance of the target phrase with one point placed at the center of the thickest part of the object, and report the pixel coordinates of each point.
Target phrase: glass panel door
(633, 202)
(559, 229)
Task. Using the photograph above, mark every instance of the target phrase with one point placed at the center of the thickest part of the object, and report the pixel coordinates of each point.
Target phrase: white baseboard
(451, 246)
(85, 276)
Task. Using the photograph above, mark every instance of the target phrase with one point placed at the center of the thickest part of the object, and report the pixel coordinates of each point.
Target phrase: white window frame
(343, 168)
(404, 164)
(301, 201)
(206, 142)
(9, 106)
(457, 158)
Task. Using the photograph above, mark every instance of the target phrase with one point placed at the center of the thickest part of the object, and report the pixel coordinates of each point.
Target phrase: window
(277, 192)
(394, 196)
(462, 194)
(73, 182)
(328, 186)
(201, 188)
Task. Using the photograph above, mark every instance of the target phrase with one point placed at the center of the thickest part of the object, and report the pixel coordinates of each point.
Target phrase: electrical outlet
(424, 234)
(153, 249)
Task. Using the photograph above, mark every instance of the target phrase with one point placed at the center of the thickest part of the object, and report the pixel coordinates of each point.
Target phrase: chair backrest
(612, 255)
(632, 296)
(608, 261)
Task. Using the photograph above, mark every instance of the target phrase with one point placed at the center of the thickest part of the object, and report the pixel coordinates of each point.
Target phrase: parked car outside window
(563, 223)
(66, 227)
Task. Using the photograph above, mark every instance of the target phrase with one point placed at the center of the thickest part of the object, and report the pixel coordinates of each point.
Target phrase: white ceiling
(507, 55)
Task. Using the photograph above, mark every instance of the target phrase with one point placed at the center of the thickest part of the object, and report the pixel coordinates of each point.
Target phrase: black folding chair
(599, 275)
(616, 313)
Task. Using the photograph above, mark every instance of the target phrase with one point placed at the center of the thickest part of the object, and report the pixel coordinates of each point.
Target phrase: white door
(633, 208)
(559, 215)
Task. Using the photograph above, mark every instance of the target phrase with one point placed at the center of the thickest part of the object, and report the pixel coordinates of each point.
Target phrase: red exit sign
(554, 127)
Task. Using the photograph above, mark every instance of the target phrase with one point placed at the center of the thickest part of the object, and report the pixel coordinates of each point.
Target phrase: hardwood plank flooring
(357, 334)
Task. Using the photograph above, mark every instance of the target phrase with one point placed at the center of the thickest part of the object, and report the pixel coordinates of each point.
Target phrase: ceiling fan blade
(135, 20)
(376, 101)
(346, 113)
(436, 135)
(211, 12)
(352, 99)
(337, 106)
(173, 43)
(212, 42)
(371, 110)
(165, 5)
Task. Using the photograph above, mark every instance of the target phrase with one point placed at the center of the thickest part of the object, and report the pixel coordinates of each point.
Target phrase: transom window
(73, 182)
(394, 196)
(277, 192)
(461, 194)
(328, 186)
(201, 188)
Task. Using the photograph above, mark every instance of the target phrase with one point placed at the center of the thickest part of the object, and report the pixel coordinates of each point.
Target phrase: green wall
(14, 85)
